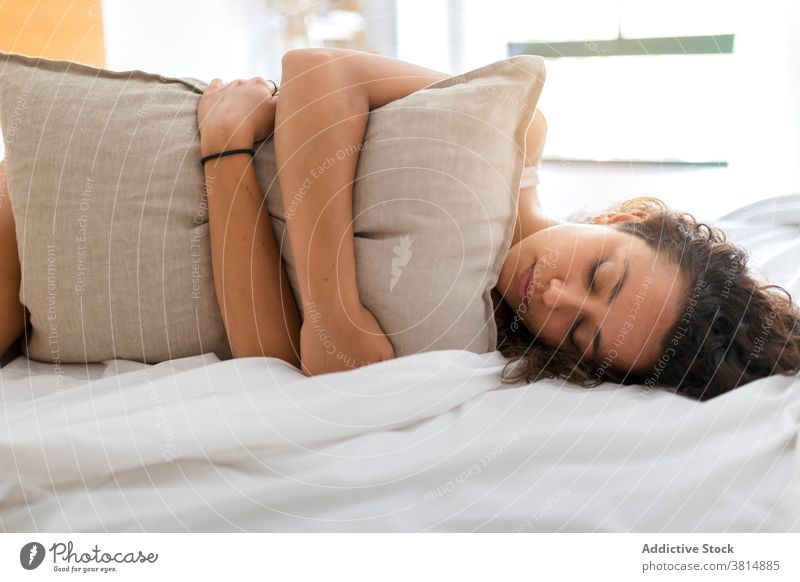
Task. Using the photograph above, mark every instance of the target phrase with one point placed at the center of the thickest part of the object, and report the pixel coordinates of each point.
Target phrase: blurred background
(694, 101)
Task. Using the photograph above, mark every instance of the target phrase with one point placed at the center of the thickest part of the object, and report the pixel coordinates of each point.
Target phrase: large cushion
(111, 220)
(111, 217)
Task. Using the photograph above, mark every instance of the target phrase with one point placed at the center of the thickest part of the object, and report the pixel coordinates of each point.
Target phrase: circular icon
(31, 555)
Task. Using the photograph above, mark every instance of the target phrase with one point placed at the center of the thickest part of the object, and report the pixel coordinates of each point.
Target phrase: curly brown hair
(735, 329)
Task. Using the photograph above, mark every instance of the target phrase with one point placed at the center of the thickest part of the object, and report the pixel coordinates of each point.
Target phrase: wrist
(221, 138)
(328, 276)
(332, 302)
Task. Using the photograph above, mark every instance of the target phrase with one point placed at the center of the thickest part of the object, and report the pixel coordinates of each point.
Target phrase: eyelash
(593, 278)
(579, 321)
(575, 326)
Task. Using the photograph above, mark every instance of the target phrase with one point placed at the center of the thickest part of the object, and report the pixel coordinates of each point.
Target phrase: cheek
(511, 265)
(550, 263)
(550, 328)
(543, 272)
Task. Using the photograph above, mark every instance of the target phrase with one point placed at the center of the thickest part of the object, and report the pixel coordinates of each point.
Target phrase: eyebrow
(611, 296)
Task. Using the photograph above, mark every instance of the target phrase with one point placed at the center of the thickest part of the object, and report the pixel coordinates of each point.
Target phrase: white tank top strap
(530, 177)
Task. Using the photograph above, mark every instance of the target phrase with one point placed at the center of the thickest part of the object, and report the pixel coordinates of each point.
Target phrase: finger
(215, 83)
(269, 83)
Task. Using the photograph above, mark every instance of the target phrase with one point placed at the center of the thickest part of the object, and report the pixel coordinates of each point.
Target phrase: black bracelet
(226, 153)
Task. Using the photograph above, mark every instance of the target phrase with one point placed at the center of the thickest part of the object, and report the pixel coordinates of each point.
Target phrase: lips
(523, 283)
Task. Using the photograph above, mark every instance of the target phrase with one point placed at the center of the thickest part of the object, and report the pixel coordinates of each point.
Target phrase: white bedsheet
(422, 443)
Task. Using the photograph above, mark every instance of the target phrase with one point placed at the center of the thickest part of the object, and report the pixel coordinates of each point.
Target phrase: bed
(422, 443)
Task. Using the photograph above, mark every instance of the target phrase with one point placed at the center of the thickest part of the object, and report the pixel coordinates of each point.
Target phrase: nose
(558, 295)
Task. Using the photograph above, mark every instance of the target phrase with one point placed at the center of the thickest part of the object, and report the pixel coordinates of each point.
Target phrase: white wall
(792, 22)
(380, 24)
(708, 193)
(766, 151)
(423, 34)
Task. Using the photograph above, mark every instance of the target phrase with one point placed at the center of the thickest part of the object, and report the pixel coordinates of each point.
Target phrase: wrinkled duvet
(422, 443)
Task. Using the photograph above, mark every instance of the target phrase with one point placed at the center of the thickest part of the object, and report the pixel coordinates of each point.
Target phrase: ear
(615, 217)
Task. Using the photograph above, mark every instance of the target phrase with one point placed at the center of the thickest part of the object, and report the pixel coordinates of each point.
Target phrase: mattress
(429, 442)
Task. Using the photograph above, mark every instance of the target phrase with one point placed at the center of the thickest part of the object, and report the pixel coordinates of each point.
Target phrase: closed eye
(591, 280)
(575, 325)
(591, 275)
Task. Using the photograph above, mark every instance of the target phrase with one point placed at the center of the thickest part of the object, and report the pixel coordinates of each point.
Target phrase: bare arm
(326, 95)
(530, 216)
(325, 99)
(535, 138)
(253, 293)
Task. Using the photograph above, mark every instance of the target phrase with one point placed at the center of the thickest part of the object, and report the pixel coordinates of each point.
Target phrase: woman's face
(596, 291)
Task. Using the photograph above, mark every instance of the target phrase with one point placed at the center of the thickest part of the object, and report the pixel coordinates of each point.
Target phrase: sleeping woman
(640, 294)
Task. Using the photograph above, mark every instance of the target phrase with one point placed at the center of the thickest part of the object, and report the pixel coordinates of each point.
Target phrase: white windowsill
(706, 192)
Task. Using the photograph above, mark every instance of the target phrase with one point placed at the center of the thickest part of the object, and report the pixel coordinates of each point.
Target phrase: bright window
(655, 108)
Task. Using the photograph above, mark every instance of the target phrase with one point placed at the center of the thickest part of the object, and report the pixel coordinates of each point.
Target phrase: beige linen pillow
(111, 216)
(111, 219)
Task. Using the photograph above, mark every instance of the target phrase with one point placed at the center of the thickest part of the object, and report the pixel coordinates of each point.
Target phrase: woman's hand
(236, 114)
(339, 339)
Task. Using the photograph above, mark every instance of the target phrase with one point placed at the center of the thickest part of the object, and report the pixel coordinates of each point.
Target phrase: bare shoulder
(535, 138)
